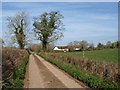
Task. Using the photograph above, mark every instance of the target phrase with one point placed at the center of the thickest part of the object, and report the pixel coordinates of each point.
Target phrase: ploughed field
(109, 55)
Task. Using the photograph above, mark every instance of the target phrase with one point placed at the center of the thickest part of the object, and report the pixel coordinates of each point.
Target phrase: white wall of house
(57, 49)
(77, 49)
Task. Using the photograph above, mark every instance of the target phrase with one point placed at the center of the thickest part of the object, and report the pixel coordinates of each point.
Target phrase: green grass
(109, 55)
(18, 76)
(91, 80)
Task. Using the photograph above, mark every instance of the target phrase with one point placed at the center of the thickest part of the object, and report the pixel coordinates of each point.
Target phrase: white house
(56, 48)
(61, 48)
(76, 49)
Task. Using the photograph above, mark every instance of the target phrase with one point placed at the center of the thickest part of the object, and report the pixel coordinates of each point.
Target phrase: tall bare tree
(48, 27)
(83, 46)
(108, 44)
(73, 45)
(18, 26)
(91, 46)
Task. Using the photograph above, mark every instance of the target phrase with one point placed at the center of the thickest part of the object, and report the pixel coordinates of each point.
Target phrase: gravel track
(42, 74)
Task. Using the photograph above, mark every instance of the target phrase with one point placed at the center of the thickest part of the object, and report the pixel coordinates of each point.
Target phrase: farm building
(76, 49)
(61, 48)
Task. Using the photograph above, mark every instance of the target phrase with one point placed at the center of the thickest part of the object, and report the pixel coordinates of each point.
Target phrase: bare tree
(83, 46)
(108, 44)
(18, 26)
(91, 46)
(48, 27)
(100, 46)
(73, 45)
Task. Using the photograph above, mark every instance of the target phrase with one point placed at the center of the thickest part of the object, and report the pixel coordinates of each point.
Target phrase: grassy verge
(91, 80)
(18, 76)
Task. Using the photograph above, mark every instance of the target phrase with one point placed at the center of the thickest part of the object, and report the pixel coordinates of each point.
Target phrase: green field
(109, 55)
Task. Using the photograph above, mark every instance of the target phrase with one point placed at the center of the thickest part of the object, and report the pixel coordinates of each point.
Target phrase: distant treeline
(79, 46)
(84, 45)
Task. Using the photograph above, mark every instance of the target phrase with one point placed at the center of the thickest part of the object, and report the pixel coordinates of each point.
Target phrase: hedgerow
(18, 76)
(86, 77)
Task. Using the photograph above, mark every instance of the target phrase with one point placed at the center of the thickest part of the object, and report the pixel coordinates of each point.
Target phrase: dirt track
(42, 74)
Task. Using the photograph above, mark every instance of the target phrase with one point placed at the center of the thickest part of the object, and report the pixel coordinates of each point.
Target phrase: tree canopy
(48, 27)
(18, 26)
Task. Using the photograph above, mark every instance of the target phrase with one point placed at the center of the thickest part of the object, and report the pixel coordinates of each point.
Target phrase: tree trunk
(21, 47)
(44, 45)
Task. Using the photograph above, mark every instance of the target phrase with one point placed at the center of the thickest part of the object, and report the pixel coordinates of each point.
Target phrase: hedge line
(18, 76)
(91, 80)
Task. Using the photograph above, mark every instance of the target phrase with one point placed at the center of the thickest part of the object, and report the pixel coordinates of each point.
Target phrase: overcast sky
(94, 22)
